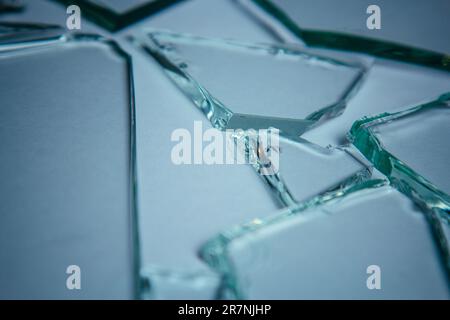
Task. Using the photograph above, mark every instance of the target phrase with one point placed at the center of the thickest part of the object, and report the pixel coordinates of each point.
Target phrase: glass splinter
(335, 243)
(117, 14)
(266, 85)
(392, 42)
(411, 148)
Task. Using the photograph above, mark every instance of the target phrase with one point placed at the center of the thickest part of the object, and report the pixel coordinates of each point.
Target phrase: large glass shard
(336, 243)
(117, 14)
(67, 165)
(342, 25)
(301, 170)
(266, 85)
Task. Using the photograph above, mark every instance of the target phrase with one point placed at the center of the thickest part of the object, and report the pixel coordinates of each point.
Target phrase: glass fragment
(335, 241)
(407, 41)
(266, 85)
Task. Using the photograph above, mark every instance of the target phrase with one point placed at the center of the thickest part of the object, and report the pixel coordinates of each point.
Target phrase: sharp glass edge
(347, 42)
(222, 117)
(434, 202)
(60, 39)
(18, 33)
(215, 251)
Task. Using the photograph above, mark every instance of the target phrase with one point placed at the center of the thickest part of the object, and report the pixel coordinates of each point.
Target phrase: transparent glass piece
(323, 251)
(301, 170)
(190, 204)
(11, 6)
(67, 162)
(214, 252)
(117, 14)
(266, 85)
(342, 25)
(161, 284)
(411, 148)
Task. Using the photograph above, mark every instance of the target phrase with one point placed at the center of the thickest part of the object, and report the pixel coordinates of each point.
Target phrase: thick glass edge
(434, 202)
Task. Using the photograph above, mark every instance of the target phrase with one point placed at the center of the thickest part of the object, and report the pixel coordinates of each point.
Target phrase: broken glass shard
(302, 170)
(332, 251)
(411, 148)
(254, 86)
(342, 26)
(117, 14)
(209, 198)
(67, 146)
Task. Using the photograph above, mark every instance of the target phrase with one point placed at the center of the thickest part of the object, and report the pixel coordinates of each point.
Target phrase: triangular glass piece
(298, 171)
